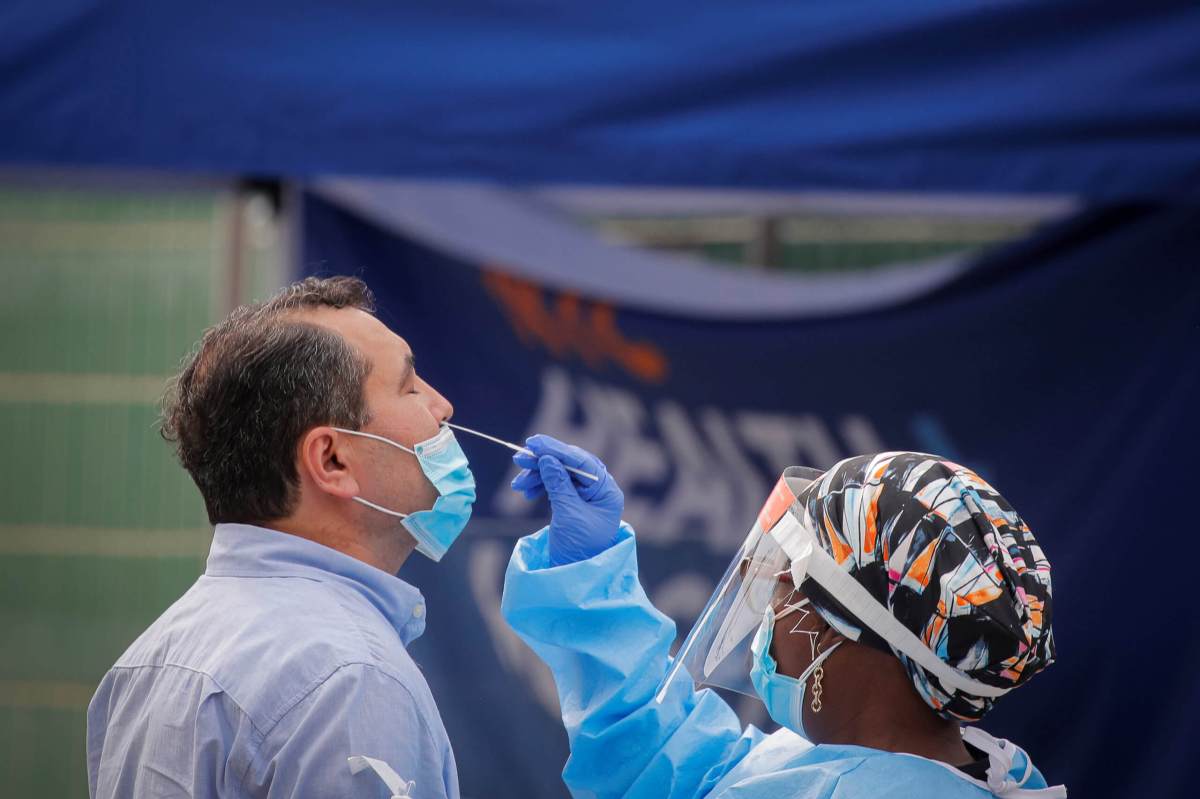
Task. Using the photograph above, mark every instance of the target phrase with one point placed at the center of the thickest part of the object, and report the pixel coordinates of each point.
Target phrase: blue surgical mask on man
(443, 462)
(782, 695)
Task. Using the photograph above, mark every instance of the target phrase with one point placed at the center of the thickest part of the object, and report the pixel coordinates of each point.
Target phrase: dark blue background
(1065, 368)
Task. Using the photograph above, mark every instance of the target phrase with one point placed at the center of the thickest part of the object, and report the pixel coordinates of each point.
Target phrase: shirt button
(418, 611)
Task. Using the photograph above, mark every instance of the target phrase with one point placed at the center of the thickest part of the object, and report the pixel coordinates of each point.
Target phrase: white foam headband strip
(797, 542)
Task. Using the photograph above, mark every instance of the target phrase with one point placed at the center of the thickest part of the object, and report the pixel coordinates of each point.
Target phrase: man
(310, 435)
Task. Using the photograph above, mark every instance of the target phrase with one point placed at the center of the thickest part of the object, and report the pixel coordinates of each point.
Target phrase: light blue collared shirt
(283, 660)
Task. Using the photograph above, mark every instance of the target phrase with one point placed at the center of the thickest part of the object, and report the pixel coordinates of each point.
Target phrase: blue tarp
(1100, 100)
(1064, 369)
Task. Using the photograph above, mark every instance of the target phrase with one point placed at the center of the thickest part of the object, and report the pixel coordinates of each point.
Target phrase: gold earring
(818, 673)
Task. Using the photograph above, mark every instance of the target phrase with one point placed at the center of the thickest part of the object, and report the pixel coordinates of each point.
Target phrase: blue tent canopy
(1098, 100)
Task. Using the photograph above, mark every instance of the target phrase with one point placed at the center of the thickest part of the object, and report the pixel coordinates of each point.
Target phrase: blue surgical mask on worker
(782, 695)
(443, 462)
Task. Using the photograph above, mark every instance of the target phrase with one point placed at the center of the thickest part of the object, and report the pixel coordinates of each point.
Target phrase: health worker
(324, 461)
(878, 610)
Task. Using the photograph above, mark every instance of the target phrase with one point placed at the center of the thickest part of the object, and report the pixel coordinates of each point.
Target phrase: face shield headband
(717, 652)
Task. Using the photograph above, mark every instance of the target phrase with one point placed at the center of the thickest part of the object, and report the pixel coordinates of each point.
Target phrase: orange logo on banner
(777, 504)
(573, 326)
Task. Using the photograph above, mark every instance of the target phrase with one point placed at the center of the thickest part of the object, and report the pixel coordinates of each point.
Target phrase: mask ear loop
(382, 440)
(815, 667)
(380, 508)
(801, 607)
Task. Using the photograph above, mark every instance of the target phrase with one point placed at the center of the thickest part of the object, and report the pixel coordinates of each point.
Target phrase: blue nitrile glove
(585, 514)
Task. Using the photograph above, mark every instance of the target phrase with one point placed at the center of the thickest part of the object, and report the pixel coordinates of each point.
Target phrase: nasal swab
(516, 448)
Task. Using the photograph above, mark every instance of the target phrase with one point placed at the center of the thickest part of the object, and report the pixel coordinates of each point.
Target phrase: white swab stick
(516, 448)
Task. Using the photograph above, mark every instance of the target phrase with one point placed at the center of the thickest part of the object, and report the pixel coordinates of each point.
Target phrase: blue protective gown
(592, 624)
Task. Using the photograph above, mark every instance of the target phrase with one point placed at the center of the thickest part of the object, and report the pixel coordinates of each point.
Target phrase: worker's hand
(585, 514)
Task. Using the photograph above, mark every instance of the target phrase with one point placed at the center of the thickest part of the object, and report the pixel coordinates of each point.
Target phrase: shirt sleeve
(593, 625)
(358, 710)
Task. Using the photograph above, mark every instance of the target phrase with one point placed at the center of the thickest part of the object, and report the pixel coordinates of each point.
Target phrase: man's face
(402, 407)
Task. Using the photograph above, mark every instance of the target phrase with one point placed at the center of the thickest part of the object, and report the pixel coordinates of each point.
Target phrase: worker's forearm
(607, 646)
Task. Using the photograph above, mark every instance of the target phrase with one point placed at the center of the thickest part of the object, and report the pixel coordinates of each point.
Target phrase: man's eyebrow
(410, 363)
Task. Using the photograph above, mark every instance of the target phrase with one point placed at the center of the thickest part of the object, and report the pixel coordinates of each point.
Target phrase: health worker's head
(253, 411)
(943, 553)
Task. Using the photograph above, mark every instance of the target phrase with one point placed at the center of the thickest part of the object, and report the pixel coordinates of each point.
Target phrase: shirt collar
(244, 550)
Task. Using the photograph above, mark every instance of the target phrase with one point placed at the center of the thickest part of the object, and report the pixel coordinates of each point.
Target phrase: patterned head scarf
(954, 563)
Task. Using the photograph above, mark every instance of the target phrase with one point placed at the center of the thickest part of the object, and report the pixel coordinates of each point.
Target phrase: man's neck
(385, 550)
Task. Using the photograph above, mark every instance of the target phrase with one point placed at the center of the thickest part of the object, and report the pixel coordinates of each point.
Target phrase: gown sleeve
(607, 646)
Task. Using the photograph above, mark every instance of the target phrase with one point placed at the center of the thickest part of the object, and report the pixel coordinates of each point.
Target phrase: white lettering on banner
(789, 440)
(682, 596)
(688, 475)
(699, 497)
(860, 435)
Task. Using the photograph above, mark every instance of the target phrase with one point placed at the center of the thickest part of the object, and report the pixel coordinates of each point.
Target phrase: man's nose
(443, 409)
(439, 406)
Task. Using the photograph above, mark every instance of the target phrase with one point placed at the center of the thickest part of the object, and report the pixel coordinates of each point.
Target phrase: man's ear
(326, 458)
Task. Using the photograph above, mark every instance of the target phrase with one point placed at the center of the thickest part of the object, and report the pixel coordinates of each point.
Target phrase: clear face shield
(763, 573)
